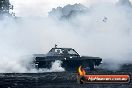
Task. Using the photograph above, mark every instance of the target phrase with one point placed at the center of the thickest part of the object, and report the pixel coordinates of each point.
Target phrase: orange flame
(81, 71)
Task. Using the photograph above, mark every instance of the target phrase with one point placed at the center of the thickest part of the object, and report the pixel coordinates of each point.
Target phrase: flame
(81, 71)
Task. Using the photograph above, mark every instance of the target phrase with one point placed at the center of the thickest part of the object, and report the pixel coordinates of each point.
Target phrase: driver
(65, 52)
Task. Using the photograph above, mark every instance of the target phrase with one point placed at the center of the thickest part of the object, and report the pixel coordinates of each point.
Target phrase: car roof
(62, 48)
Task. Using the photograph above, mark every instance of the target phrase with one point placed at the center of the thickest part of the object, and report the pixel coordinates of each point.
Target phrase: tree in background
(5, 7)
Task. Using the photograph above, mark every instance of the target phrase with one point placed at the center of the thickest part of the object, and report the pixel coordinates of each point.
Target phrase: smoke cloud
(104, 30)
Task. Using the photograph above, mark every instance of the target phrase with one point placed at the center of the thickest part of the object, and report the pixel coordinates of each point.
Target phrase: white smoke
(42, 7)
(56, 67)
(104, 31)
(21, 38)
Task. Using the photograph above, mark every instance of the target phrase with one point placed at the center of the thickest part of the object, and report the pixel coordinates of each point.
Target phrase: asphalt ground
(59, 79)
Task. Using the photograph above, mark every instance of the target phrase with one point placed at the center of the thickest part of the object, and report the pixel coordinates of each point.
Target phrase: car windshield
(71, 51)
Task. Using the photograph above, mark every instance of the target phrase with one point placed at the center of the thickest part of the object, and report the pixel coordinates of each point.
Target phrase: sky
(42, 7)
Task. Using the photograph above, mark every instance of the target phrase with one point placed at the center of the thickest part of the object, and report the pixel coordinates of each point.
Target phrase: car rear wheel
(91, 65)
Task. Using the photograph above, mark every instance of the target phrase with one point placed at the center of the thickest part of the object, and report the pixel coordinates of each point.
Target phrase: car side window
(58, 51)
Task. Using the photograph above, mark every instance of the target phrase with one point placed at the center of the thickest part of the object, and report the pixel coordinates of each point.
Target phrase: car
(71, 60)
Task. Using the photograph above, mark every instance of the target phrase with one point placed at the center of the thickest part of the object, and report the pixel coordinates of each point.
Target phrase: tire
(91, 65)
